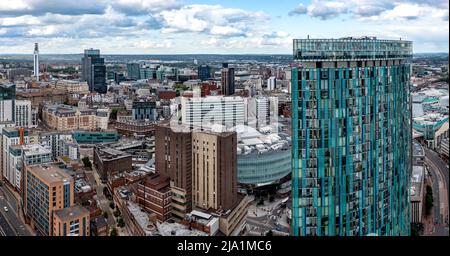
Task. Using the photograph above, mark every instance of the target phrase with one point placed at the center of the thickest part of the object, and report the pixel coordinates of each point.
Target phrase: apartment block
(47, 188)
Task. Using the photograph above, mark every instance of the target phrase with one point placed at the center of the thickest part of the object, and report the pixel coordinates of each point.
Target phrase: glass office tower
(93, 70)
(351, 137)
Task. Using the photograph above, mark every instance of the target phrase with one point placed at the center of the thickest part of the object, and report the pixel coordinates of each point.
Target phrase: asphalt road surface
(440, 175)
(10, 221)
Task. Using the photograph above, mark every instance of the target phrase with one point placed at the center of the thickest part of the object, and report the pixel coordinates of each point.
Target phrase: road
(12, 219)
(101, 199)
(440, 175)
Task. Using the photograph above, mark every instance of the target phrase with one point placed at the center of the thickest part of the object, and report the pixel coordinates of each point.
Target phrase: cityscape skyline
(213, 27)
(214, 118)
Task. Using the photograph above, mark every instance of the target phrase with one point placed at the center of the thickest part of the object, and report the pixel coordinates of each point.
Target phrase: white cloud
(209, 19)
(225, 31)
(25, 20)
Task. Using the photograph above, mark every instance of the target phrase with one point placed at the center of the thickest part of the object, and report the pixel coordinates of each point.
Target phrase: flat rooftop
(34, 149)
(50, 173)
(70, 213)
(417, 177)
(107, 153)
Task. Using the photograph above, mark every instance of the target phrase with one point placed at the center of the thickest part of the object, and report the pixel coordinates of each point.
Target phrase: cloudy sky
(207, 26)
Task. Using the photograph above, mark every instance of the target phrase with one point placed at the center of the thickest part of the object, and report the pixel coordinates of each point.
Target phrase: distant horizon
(132, 54)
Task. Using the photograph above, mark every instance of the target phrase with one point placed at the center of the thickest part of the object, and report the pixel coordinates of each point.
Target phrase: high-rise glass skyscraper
(351, 137)
(94, 71)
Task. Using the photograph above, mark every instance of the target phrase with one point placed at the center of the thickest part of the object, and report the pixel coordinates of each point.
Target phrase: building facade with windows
(93, 70)
(351, 137)
(204, 111)
(47, 188)
(73, 221)
(22, 113)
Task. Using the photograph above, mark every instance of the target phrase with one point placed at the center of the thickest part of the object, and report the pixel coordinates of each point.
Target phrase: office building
(227, 80)
(199, 112)
(154, 195)
(94, 71)
(351, 135)
(133, 71)
(204, 72)
(73, 221)
(7, 98)
(36, 61)
(144, 110)
(271, 83)
(23, 113)
(173, 158)
(47, 188)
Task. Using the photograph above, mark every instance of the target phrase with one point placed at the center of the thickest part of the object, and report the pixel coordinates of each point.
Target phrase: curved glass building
(351, 137)
(262, 168)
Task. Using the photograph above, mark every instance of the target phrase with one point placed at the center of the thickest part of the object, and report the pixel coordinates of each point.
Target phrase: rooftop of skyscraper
(351, 49)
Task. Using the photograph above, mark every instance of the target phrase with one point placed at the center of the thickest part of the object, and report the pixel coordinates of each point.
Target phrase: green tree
(113, 114)
(116, 213)
(269, 233)
(112, 205)
(121, 223)
(113, 232)
(86, 162)
(105, 215)
(416, 229)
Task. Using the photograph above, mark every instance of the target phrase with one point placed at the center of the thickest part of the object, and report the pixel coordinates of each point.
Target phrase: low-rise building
(417, 187)
(154, 195)
(72, 221)
(99, 226)
(47, 188)
(93, 137)
(110, 162)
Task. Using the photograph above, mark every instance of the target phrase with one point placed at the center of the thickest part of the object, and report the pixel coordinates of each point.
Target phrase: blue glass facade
(257, 168)
(351, 137)
(85, 137)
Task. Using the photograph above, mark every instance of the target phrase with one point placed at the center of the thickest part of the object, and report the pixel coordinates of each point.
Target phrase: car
(6, 209)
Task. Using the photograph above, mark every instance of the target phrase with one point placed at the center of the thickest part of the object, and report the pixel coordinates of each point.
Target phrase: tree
(105, 215)
(112, 205)
(269, 233)
(113, 114)
(113, 232)
(416, 229)
(271, 198)
(121, 223)
(116, 213)
(261, 201)
(87, 163)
